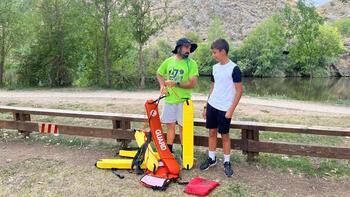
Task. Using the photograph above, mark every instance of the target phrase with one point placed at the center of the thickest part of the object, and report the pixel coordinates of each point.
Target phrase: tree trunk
(142, 66)
(2, 56)
(60, 65)
(97, 55)
(106, 45)
(97, 58)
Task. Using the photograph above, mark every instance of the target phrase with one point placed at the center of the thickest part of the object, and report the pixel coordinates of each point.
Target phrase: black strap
(182, 182)
(114, 171)
(140, 155)
(163, 187)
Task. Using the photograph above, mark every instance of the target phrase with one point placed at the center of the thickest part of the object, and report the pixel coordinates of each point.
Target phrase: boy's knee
(225, 136)
(213, 133)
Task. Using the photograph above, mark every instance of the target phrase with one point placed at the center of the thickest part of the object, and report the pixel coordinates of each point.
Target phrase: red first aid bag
(200, 187)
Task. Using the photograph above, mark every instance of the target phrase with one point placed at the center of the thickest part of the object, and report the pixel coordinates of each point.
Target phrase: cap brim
(193, 47)
(175, 50)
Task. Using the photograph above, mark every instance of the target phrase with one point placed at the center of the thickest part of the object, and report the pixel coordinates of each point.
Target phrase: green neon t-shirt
(180, 71)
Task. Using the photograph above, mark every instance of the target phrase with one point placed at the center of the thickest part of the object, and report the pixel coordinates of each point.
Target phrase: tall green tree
(302, 29)
(107, 43)
(52, 56)
(203, 53)
(216, 30)
(105, 8)
(343, 25)
(147, 18)
(261, 52)
(10, 34)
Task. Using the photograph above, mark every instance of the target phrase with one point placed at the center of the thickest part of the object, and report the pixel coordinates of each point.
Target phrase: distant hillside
(239, 16)
(332, 11)
(335, 10)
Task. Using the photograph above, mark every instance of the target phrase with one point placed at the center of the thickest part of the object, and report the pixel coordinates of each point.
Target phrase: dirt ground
(36, 169)
(40, 170)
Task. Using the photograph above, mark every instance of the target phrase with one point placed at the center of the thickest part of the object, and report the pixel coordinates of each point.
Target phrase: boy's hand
(170, 83)
(204, 113)
(229, 114)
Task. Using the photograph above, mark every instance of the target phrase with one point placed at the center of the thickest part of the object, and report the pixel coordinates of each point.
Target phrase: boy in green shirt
(177, 76)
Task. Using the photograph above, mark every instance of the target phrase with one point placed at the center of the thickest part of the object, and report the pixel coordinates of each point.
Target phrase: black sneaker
(207, 164)
(228, 169)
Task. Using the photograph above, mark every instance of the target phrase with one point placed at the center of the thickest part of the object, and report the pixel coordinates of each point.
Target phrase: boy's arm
(205, 105)
(210, 91)
(239, 92)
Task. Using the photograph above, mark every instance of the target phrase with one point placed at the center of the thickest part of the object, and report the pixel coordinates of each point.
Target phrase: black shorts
(216, 120)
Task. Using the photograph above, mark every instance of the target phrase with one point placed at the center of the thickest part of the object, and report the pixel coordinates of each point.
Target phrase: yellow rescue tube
(188, 135)
(116, 164)
(132, 153)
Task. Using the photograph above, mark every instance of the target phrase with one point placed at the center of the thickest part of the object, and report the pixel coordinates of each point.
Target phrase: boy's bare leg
(226, 143)
(212, 139)
(211, 161)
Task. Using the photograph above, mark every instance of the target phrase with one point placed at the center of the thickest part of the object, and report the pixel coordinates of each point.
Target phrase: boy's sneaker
(228, 169)
(207, 164)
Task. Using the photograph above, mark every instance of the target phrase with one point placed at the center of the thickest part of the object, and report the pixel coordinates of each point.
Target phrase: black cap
(184, 41)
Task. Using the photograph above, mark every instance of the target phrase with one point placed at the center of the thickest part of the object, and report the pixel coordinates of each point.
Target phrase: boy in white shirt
(225, 92)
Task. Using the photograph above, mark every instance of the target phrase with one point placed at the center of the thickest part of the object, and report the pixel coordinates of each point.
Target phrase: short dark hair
(220, 44)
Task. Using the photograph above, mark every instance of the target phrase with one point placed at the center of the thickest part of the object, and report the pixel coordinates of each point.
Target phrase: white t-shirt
(224, 90)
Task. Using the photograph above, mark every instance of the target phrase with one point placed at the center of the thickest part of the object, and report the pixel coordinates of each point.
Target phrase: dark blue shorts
(216, 120)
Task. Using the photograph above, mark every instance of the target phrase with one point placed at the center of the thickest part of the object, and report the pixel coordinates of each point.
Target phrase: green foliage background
(59, 43)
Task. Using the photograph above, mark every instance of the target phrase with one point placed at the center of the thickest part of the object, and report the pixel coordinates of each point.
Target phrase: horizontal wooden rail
(249, 142)
(332, 131)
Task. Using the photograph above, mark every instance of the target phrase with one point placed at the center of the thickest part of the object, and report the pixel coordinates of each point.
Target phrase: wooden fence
(249, 142)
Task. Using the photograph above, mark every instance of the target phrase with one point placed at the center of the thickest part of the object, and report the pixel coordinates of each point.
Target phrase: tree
(203, 53)
(106, 42)
(9, 31)
(261, 51)
(297, 32)
(343, 25)
(53, 54)
(216, 30)
(193, 36)
(105, 9)
(330, 45)
(302, 29)
(147, 18)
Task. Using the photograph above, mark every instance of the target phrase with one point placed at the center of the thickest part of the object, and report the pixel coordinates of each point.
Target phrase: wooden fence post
(246, 135)
(22, 117)
(122, 124)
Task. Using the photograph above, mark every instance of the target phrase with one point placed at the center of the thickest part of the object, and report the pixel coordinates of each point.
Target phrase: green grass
(234, 190)
(64, 140)
(6, 116)
(305, 165)
(80, 142)
(11, 104)
(301, 138)
(343, 102)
